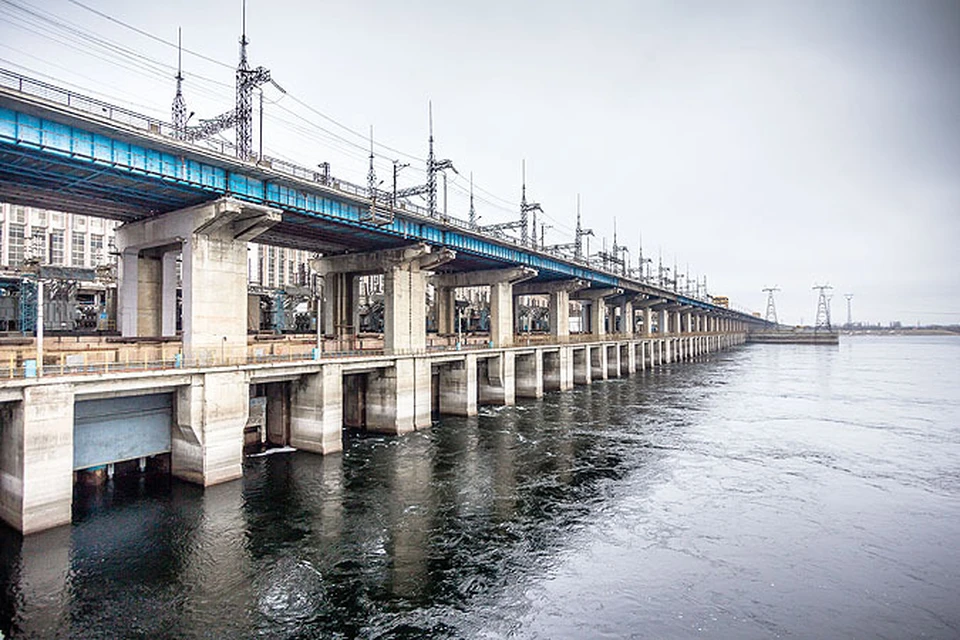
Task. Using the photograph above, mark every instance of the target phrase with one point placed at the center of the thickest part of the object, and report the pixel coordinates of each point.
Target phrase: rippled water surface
(770, 491)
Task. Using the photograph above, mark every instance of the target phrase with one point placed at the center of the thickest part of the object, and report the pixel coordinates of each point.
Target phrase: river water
(769, 491)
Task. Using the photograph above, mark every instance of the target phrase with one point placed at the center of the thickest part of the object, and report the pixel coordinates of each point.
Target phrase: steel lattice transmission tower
(525, 209)
(434, 167)
(179, 108)
(823, 306)
(247, 80)
(771, 315)
(849, 297)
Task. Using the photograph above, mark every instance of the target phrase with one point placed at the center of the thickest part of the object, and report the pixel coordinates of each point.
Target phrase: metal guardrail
(150, 125)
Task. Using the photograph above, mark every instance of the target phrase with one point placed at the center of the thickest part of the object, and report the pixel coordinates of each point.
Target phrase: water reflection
(409, 536)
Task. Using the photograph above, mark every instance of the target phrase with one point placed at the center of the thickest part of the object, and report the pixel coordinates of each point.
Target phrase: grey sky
(761, 143)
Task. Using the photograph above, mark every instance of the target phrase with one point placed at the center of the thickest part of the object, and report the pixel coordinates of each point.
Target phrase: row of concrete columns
(211, 407)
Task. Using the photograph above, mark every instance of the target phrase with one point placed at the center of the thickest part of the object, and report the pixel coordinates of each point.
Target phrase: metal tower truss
(434, 167)
(823, 306)
(526, 208)
(771, 315)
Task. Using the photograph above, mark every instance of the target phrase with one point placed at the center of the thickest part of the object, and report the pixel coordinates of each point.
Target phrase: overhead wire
(73, 36)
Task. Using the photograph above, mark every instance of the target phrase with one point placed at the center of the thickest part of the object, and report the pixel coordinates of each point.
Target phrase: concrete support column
(140, 294)
(36, 458)
(498, 383)
(558, 369)
(501, 314)
(613, 360)
(627, 319)
(316, 411)
(405, 322)
(398, 397)
(207, 438)
(529, 374)
(168, 277)
(582, 370)
(559, 309)
(598, 362)
(458, 387)
(598, 317)
(339, 304)
(647, 321)
(446, 310)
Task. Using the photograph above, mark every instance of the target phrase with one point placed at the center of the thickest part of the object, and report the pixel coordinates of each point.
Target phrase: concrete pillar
(212, 238)
(399, 397)
(340, 304)
(598, 362)
(168, 277)
(558, 369)
(559, 309)
(582, 370)
(404, 321)
(529, 374)
(628, 359)
(458, 387)
(501, 314)
(497, 384)
(207, 438)
(627, 319)
(598, 317)
(613, 360)
(647, 321)
(36, 458)
(316, 411)
(149, 294)
(446, 310)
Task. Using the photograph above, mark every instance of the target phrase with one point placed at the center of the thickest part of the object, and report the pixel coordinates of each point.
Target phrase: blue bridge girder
(55, 156)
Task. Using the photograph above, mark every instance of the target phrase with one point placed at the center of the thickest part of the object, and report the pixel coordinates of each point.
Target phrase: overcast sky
(760, 143)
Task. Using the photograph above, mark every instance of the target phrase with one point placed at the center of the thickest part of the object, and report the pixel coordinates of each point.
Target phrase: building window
(96, 249)
(38, 245)
(56, 246)
(39, 218)
(15, 250)
(19, 215)
(78, 250)
(80, 222)
(57, 219)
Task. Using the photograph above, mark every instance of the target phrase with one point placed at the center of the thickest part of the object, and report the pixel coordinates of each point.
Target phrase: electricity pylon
(823, 307)
(771, 307)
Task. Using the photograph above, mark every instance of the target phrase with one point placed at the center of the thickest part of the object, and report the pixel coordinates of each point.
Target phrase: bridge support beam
(36, 458)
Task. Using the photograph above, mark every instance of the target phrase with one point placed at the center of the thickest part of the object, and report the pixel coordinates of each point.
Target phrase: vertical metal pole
(39, 328)
(260, 157)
